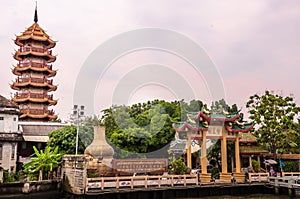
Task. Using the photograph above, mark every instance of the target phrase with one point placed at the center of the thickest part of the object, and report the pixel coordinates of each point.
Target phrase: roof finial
(35, 13)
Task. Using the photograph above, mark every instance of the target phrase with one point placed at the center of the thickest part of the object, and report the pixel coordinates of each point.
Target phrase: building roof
(39, 128)
(218, 116)
(286, 156)
(243, 127)
(7, 103)
(177, 146)
(8, 106)
(247, 138)
(250, 150)
(235, 128)
(200, 121)
(34, 138)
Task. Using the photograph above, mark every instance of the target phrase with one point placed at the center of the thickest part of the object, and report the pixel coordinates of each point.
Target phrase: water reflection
(254, 196)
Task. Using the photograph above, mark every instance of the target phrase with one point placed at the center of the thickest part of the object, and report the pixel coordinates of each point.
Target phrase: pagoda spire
(35, 13)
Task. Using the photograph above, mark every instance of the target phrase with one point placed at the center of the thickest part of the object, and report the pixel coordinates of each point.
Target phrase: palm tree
(43, 162)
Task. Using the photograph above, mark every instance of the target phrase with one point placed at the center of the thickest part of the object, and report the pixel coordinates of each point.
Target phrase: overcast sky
(254, 45)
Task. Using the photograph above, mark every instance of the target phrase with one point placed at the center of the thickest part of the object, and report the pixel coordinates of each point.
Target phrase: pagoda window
(36, 46)
(36, 106)
(39, 61)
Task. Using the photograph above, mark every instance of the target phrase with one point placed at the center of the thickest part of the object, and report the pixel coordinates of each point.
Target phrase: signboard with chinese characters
(214, 132)
(131, 166)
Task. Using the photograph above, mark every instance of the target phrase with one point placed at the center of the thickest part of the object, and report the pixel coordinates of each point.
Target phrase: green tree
(221, 105)
(86, 131)
(178, 166)
(291, 166)
(65, 137)
(44, 161)
(275, 117)
(141, 127)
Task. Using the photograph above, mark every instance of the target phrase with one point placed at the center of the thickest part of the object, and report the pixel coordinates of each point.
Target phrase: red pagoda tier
(34, 71)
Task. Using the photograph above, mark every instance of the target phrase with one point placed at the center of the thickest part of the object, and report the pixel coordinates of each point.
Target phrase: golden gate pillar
(224, 175)
(239, 177)
(204, 176)
(189, 150)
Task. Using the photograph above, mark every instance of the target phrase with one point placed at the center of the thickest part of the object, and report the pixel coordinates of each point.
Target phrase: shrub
(291, 166)
(178, 166)
(12, 177)
(255, 165)
(215, 173)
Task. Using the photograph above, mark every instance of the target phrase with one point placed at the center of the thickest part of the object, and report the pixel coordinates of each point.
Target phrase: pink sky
(253, 44)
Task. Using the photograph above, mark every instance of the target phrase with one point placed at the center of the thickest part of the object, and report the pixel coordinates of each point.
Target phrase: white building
(10, 135)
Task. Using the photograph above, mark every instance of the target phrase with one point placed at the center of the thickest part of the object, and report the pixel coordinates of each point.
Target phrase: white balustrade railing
(102, 183)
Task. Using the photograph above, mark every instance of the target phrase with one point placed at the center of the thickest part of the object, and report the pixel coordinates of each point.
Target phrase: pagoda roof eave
(184, 125)
(43, 100)
(43, 116)
(18, 55)
(181, 126)
(216, 118)
(50, 43)
(16, 85)
(17, 70)
(35, 32)
(247, 128)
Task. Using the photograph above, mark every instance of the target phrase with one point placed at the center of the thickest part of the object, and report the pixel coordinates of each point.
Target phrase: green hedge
(12, 177)
(291, 166)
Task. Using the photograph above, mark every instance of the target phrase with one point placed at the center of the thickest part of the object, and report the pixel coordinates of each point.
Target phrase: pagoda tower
(34, 73)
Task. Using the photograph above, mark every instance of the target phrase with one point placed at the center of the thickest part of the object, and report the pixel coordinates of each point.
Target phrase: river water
(254, 196)
(57, 195)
